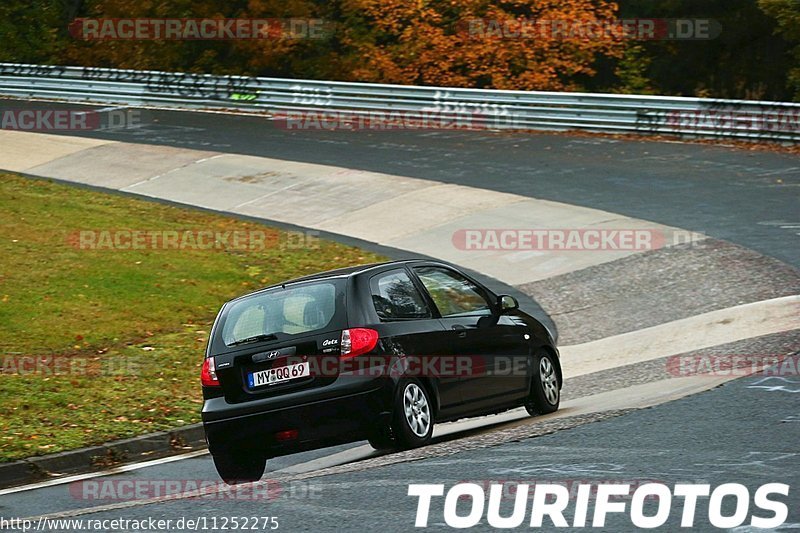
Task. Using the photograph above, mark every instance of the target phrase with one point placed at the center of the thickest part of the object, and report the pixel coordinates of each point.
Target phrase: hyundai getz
(378, 352)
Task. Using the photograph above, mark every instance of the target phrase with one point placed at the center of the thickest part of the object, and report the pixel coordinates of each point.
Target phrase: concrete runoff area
(416, 215)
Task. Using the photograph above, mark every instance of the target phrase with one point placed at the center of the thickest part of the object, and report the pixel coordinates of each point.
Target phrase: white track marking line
(158, 176)
(338, 458)
(636, 396)
(265, 195)
(682, 336)
(106, 109)
(116, 470)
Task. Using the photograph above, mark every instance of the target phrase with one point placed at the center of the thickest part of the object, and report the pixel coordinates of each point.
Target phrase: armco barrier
(492, 109)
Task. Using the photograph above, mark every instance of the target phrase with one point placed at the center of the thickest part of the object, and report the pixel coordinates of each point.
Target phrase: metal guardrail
(478, 108)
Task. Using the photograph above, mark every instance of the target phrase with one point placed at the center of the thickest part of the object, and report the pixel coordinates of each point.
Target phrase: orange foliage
(424, 42)
(428, 42)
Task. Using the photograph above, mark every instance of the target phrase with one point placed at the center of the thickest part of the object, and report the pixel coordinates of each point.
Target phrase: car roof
(337, 273)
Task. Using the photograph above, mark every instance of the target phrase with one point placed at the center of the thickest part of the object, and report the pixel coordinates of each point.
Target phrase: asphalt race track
(626, 449)
(626, 417)
(740, 196)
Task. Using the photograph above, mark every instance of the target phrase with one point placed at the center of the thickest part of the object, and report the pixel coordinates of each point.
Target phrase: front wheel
(412, 425)
(545, 394)
(239, 468)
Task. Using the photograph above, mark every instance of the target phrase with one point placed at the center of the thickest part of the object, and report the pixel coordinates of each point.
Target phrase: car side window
(395, 297)
(452, 293)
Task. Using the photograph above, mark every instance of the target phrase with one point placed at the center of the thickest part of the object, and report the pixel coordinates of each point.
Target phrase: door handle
(462, 331)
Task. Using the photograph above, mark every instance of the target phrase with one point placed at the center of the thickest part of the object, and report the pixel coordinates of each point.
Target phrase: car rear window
(294, 310)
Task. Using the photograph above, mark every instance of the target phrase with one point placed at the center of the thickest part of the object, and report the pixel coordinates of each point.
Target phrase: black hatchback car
(380, 352)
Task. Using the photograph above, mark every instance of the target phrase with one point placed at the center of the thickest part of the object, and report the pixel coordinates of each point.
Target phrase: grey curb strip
(191, 437)
(95, 458)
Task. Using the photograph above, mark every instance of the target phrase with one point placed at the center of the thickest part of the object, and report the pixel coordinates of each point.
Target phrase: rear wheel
(412, 425)
(382, 439)
(239, 468)
(545, 394)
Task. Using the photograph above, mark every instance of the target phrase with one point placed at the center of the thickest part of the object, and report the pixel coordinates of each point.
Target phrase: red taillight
(356, 341)
(208, 375)
(289, 434)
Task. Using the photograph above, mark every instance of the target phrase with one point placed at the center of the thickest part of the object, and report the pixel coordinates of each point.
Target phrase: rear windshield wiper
(254, 338)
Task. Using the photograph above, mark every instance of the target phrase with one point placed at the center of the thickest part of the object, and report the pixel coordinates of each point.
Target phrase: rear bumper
(344, 411)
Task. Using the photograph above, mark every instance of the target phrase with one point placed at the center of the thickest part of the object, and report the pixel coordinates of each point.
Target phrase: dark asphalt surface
(731, 434)
(62, 498)
(671, 443)
(741, 196)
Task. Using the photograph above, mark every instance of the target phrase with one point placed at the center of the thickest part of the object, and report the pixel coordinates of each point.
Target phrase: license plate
(278, 375)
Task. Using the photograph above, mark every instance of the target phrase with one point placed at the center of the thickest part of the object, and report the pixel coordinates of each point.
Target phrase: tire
(239, 468)
(412, 424)
(545, 393)
(382, 439)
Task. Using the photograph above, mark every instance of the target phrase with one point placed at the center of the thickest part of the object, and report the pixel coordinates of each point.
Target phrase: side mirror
(507, 303)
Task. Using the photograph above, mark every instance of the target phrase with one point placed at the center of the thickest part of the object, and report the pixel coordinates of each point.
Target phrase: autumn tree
(746, 59)
(474, 43)
(197, 56)
(307, 48)
(465, 43)
(30, 30)
(273, 55)
(787, 15)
